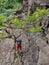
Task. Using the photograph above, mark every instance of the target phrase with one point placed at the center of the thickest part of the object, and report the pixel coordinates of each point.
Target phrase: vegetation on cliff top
(7, 7)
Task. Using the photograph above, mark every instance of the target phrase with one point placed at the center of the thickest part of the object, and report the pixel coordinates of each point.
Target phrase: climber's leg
(18, 46)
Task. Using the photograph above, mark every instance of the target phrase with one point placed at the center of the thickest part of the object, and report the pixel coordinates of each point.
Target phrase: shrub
(36, 15)
(2, 19)
(42, 11)
(3, 35)
(18, 23)
(17, 6)
(35, 30)
(2, 27)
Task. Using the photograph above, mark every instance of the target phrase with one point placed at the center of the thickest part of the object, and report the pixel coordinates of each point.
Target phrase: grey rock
(46, 50)
(16, 32)
(8, 57)
(47, 36)
(6, 46)
(41, 43)
(43, 59)
(17, 61)
(12, 57)
(8, 63)
(31, 56)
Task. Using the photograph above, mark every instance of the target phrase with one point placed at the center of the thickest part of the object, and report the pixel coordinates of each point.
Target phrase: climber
(18, 44)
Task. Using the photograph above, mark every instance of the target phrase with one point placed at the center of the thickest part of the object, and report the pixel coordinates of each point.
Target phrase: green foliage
(35, 30)
(10, 17)
(3, 35)
(42, 11)
(8, 12)
(2, 19)
(18, 23)
(36, 16)
(18, 0)
(9, 6)
(3, 27)
(16, 6)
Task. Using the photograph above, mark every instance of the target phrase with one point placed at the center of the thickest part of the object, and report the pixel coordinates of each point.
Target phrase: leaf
(2, 19)
(3, 27)
(37, 16)
(17, 6)
(35, 30)
(3, 35)
(42, 11)
(18, 23)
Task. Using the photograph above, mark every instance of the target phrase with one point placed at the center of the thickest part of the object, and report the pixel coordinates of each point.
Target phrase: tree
(24, 25)
(8, 4)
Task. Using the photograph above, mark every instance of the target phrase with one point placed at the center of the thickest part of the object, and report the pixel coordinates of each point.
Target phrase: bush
(2, 35)
(17, 6)
(2, 19)
(35, 30)
(2, 27)
(42, 11)
(18, 23)
(36, 15)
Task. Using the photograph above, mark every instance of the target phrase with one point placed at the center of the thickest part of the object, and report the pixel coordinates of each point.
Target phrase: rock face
(35, 48)
(8, 55)
(43, 53)
(29, 53)
(6, 52)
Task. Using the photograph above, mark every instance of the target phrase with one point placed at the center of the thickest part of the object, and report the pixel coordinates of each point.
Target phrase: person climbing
(18, 45)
